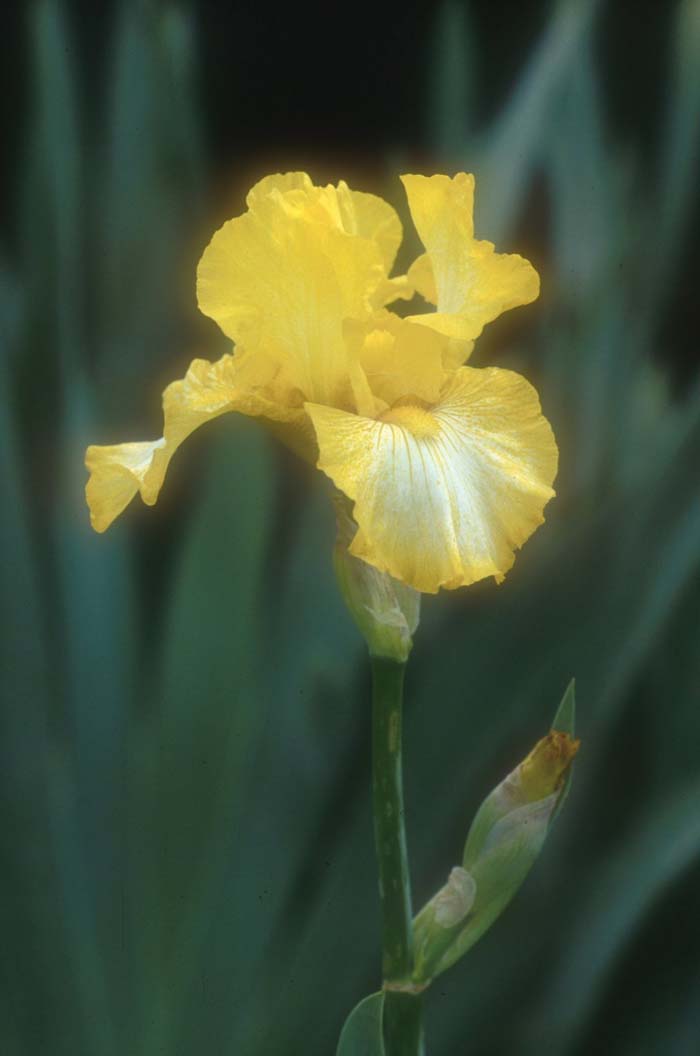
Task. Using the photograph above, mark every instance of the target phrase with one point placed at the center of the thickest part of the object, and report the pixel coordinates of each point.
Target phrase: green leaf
(98, 642)
(42, 941)
(211, 711)
(622, 891)
(452, 81)
(681, 153)
(565, 719)
(57, 177)
(362, 1034)
(149, 204)
(515, 143)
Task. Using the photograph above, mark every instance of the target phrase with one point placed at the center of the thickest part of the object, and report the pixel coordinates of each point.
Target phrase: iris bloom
(448, 468)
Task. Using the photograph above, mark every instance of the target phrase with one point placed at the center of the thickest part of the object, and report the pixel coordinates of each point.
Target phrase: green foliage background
(187, 861)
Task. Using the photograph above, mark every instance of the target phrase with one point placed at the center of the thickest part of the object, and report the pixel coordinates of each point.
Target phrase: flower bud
(385, 610)
(538, 779)
(504, 840)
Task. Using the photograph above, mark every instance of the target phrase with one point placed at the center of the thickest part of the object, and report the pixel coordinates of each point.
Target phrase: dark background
(186, 852)
(289, 86)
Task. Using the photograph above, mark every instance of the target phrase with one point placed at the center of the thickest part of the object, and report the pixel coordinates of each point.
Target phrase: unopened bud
(539, 778)
(504, 841)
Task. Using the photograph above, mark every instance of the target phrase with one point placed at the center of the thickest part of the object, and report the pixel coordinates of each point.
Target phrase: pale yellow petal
(282, 281)
(117, 472)
(472, 283)
(245, 383)
(444, 497)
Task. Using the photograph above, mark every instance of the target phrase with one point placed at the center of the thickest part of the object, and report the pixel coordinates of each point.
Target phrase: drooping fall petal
(444, 496)
(234, 383)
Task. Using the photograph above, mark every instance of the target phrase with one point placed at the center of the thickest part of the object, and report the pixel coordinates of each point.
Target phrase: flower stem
(402, 1009)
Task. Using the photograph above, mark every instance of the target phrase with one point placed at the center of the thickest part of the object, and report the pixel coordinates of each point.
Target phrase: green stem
(402, 1009)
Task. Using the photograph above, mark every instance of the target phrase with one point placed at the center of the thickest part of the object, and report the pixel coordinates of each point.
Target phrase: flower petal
(354, 212)
(398, 288)
(116, 474)
(470, 283)
(243, 383)
(422, 278)
(283, 277)
(399, 359)
(444, 497)
(371, 217)
(279, 181)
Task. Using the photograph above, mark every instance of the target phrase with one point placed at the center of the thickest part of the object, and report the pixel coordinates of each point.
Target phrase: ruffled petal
(354, 212)
(371, 217)
(444, 496)
(246, 383)
(278, 181)
(469, 282)
(116, 474)
(283, 277)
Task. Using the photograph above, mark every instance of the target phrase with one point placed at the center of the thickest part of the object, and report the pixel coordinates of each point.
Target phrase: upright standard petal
(248, 384)
(469, 282)
(283, 277)
(444, 496)
(354, 212)
(371, 217)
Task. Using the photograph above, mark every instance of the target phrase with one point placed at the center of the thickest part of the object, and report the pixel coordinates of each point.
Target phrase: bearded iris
(441, 470)
(447, 467)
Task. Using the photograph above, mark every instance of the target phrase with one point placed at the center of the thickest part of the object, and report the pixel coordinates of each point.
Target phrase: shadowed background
(186, 847)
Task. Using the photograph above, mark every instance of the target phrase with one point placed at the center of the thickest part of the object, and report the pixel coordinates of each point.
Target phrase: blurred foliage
(186, 840)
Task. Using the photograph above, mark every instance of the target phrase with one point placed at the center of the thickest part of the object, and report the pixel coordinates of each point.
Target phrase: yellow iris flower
(448, 467)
